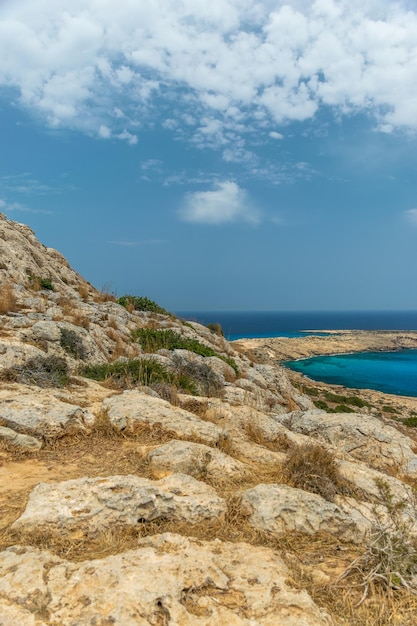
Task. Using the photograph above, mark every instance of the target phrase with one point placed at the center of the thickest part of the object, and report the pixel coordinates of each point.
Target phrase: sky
(224, 155)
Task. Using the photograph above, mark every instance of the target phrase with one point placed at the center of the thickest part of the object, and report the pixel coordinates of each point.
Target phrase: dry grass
(79, 319)
(313, 468)
(8, 299)
(279, 443)
(84, 291)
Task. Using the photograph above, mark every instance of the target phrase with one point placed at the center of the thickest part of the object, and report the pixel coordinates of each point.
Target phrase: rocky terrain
(153, 473)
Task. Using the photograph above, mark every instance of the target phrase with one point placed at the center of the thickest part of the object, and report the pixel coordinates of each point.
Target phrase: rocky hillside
(152, 474)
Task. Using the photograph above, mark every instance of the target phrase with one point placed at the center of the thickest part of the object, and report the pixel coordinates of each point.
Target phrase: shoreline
(276, 351)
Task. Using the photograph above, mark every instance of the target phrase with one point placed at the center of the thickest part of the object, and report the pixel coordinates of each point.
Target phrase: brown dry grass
(84, 291)
(8, 299)
(79, 319)
(313, 468)
(279, 443)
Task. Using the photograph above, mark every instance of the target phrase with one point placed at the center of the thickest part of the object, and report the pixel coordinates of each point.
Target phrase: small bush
(141, 303)
(216, 329)
(49, 371)
(208, 382)
(389, 409)
(72, 343)
(40, 282)
(410, 421)
(390, 560)
(313, 468)
(321, 404)
(134, 372)
(342, 408)
(152, 340)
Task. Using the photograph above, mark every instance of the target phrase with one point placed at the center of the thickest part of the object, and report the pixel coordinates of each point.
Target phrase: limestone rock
(364, 437)
(43, 415)
(168, 579)
(21, 441)
(92, 505)
(278, 382)
(278, 509)
(133, 407)
(195, 460)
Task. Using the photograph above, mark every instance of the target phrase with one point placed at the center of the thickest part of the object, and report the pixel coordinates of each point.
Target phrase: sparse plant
(208, 381)
(72, 343)
(390, 559)
(216, 329)
(8, 299)
(38, 283)
(49, 371)
(313, 468)
(83, 291)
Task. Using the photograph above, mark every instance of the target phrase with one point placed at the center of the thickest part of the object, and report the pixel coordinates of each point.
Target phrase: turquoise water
(389, 372)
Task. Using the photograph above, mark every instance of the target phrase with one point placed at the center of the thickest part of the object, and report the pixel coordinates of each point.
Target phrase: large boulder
(132, 408)
(168, 579)
(194, 459)
(363, 437)
(278, 509)
(39, 413)
(93, 505)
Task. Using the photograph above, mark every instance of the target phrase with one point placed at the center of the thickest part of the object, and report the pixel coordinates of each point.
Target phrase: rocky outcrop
(93, 505)
(168, 579)
(196, 460)
(363, 437)
(41, 414)
(279, 509)
(134, 408)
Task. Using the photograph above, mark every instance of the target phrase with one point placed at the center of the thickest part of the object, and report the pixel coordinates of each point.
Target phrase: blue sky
(222, 155)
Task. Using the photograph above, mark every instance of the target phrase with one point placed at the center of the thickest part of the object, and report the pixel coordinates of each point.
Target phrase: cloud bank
(226, 203)
(222, 69)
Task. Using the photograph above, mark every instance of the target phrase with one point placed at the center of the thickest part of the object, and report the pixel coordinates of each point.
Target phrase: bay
(389, 372)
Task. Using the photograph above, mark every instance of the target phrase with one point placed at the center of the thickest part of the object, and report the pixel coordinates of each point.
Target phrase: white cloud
(412, 215)
(244, 65)
(226, 203)
(10, 207)
(104, 132)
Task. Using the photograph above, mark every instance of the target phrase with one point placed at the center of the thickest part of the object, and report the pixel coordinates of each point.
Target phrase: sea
(389, 372)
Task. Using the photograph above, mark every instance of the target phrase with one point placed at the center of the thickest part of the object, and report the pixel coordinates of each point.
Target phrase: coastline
(277, 350)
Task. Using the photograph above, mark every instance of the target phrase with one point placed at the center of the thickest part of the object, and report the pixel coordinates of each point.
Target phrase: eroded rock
(133, 407)
(168, 579)
(93, 505)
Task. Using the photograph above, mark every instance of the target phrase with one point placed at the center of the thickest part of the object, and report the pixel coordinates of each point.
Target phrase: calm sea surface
(390, 372)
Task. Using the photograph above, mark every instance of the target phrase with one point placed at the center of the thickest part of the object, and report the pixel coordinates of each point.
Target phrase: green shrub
(208, 381)
(152, 340)
(40, 282)
(133, 372)
(321, 404)
(49, 371)
(342, 408)
(141, 303)
(410, 421)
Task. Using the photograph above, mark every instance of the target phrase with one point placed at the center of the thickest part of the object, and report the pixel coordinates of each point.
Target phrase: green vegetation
(152, 340)
(321, 404)
(133, 372)
(141, 303)
(352, 400)
(40, 282)
(389, 409)
(48, 371)
(410, 421)
(342, 408)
